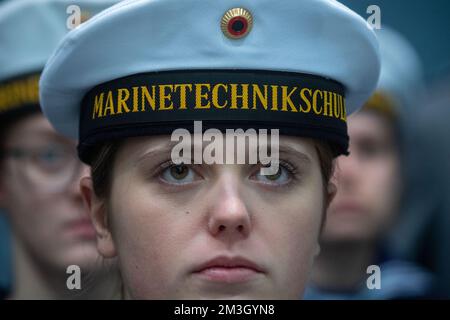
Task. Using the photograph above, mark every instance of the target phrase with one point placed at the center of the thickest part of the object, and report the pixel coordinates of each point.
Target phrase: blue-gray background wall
(426, 24)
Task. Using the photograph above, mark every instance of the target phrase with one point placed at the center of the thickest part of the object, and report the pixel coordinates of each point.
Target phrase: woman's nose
(228, 215)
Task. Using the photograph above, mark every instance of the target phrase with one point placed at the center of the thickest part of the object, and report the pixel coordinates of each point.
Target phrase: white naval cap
(247, 42)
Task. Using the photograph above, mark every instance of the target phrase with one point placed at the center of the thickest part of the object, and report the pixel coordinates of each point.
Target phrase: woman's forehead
(137, 147)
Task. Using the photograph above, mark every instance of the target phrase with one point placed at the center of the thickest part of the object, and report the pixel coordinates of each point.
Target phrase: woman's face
(39, 189)
(211, 231)
(368, 182)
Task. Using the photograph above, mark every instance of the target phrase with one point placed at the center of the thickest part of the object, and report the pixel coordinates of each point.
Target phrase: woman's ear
(99, 217)
(331, 191)
(332, 183)
(317, 249)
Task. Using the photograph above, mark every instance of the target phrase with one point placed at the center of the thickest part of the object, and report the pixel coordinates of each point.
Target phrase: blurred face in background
(368, 181)
(39, 190)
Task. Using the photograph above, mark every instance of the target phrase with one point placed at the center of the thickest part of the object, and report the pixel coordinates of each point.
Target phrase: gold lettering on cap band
(383, 103)
(156, 103)
(16, 93)
(217, 96)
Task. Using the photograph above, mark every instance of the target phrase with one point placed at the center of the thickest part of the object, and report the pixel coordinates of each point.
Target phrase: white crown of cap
(320, 37)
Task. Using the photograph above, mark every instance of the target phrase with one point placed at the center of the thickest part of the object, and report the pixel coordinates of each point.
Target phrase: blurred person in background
(39, 169)
(370, 186)
(424, 232)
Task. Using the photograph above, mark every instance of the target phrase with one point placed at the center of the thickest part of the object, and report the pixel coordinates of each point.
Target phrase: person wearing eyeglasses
(39, 169)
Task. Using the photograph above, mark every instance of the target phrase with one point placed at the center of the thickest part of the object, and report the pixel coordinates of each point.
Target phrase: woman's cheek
(132, 229)
(148, 236)
(295, 233)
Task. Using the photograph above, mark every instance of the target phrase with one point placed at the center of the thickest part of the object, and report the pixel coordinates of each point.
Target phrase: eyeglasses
(49, 167)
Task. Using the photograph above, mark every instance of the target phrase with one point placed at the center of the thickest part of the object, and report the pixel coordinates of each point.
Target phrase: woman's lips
(228, 274)
(347, 207)
(228, 270)
(82, 228)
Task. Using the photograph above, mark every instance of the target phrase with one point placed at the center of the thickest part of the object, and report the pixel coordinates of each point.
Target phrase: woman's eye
(282, 176)
(180, 173)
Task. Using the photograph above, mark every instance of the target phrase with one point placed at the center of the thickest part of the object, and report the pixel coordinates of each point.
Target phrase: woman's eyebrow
(284, 150)
(157, 151)
(166, 149)
(153, 152)
(288, 150)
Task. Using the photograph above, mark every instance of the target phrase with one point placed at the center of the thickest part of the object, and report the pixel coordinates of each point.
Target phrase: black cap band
(160, 102)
